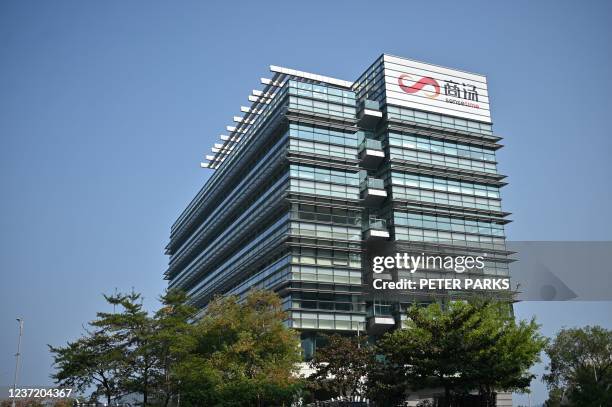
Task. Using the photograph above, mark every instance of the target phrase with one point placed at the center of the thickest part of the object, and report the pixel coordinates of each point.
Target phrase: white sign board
(432, 88)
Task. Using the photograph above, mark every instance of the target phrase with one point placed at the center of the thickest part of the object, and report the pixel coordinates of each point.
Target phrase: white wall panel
(422, 86)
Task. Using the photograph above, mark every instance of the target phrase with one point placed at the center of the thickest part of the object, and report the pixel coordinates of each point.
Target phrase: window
(443, 153)
(443, 191)
(452, 123)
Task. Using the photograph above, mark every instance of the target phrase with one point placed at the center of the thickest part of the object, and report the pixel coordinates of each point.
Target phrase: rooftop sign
(436, 89)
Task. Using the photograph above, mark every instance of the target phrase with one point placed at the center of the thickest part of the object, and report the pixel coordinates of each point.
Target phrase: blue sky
(107, 109)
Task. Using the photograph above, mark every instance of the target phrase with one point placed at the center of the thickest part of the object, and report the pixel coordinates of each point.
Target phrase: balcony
(371, 153)
(373, 191)
(379, 318)
(369, 114)
(375, 228)
(379, 324)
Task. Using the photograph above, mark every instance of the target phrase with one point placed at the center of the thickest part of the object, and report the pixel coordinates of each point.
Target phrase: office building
(317, 170)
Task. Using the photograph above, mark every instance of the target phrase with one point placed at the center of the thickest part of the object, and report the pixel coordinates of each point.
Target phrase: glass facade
(444, 153)
(289, 206)
(444, 191)
(445, 122)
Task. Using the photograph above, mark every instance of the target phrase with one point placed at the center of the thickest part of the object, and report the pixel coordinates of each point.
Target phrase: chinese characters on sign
(437, 89)
(451, 88)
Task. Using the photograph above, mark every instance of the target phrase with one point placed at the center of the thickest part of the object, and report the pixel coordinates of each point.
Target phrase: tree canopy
(580, 368)
(243, 354)
(463, 347)
(239, 353)
(342, 365)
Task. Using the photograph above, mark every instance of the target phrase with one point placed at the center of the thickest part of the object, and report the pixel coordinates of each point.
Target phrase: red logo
(419, 85)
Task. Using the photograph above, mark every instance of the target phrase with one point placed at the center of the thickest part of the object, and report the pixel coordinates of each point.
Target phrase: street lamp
(17, 356)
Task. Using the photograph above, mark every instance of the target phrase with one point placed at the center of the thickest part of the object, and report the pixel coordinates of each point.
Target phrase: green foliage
(243, 354)
(341, 366)
(555, 398)
(132, 330)
(462, 347)
(580, 368)
(127, 351)
(387, 384)
(93, 360)
(171, 342)
(239, 353)
(502, 351)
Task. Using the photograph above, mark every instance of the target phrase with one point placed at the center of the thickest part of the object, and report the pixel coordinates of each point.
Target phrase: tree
(431, 350)
(503, 352)
(342, 365)
(461, 348)
(151, 346)
(243, 354)
(580, 367)
(386, 382)
(93, 360)
(171, 341)
(115, 355)
(556, 398)
(239, 353)
(133, 330)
